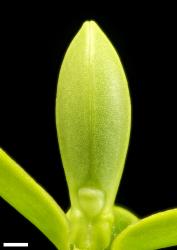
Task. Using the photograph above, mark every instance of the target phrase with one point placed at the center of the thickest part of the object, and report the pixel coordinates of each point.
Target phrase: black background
(34, 39)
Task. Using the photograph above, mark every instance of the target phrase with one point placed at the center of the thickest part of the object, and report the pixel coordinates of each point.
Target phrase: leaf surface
(153, 232)
(32, 201)
(122, 219)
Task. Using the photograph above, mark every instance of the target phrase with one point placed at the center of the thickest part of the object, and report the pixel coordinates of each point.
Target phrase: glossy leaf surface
(154, 232)
(32, 201)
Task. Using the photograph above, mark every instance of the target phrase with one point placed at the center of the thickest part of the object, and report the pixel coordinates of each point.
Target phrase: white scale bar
(5, 244)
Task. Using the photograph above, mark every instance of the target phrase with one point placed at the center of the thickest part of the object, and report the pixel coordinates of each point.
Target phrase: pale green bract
(93, 124)
(93, 117)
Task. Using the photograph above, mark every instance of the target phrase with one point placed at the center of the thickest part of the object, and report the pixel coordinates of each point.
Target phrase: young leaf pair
(93, 118)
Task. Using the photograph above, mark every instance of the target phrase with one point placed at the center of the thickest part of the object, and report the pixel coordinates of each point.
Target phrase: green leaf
(154, 232)
(122, 219)
(32, 201)
(93, 119)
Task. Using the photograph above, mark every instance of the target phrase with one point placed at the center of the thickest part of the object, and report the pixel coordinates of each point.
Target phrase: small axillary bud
(91, 201)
